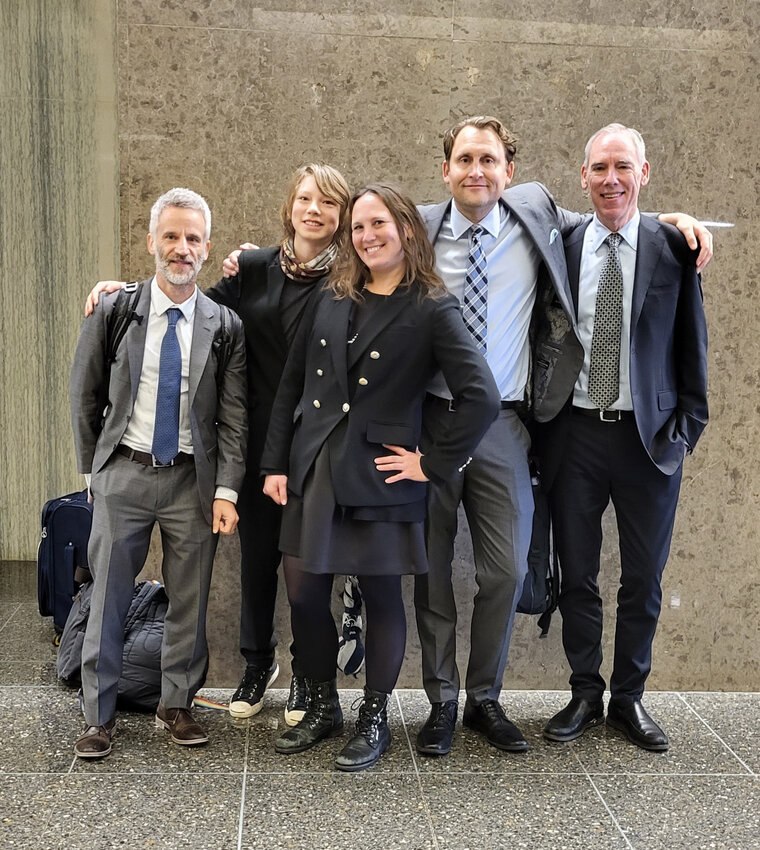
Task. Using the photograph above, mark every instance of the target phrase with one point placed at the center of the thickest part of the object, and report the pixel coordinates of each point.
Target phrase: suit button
(363, 382)
(323, 342)
(375, 355)
(320, 372)
(316, 403)
(346, 407)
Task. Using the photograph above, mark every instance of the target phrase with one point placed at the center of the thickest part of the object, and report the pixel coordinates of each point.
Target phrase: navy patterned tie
(474, 308)
(166, 429)
(604, 367)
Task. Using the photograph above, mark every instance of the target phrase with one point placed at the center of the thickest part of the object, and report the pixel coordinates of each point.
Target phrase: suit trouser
(604, 461)
(259, 531)
(495, 490)
(128, 498)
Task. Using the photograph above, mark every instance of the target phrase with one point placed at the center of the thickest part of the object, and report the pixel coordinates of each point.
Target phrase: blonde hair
(330, 182)
(350, 274)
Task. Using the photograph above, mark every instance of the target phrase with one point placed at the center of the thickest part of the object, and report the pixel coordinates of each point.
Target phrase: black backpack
(540, 593)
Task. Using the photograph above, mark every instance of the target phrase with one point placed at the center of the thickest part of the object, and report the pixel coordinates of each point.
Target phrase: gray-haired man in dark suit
(168, 448)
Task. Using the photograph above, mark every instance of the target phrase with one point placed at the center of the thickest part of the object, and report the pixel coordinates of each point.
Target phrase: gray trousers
(128, 498)
(496, 494)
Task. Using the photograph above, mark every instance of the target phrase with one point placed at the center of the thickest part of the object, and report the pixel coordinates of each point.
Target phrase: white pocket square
(553, 235)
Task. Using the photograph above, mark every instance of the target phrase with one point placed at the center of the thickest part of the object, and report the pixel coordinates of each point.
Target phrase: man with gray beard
(169, 447)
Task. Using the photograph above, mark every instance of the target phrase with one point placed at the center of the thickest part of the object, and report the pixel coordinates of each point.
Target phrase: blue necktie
(475, 306)
(166, 429)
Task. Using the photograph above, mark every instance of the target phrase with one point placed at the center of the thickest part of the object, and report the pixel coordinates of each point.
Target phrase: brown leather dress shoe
(182, 725)
(95, 741)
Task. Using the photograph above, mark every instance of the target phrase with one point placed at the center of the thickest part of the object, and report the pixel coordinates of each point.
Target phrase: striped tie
(474, 308)
(604, 366)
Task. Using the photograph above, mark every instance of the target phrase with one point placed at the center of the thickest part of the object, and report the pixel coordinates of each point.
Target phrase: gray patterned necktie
(475, 304)
(604, 368)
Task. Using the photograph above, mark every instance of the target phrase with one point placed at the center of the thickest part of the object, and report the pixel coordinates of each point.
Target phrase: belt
(450, 406)
(604, 415)
(147, 459)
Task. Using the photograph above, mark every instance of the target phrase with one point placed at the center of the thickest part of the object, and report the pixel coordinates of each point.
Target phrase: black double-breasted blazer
(374, 388)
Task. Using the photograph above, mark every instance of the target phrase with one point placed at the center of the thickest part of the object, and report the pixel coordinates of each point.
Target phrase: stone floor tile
(38, 726)
(735, 718)
(363, 811)
(27, 635)
(472, 753)
(510, 812)
(693, 812)
(145, 811)
(27, 804)
(21, 673)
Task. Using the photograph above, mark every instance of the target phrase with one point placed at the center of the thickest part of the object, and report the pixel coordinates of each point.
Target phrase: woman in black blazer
(341, 452)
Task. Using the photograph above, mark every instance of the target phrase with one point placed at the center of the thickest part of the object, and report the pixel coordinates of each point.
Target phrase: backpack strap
(122, 316)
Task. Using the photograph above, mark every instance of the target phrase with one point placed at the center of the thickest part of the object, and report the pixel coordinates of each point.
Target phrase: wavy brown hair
(331, 183)
(481, 122)
(350, 274)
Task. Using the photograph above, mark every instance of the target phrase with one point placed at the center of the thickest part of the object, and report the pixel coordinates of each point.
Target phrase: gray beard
(189, 277)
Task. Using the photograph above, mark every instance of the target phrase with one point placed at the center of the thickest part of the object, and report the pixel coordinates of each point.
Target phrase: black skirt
(329, 538)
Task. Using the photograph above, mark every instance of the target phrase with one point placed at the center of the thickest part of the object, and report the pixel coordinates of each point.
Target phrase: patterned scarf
(306, 272)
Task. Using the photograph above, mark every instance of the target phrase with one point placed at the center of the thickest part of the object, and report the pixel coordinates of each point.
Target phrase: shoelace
(441, 719)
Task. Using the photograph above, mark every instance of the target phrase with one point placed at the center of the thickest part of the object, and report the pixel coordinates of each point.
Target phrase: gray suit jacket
(218, 419)
(544, 223)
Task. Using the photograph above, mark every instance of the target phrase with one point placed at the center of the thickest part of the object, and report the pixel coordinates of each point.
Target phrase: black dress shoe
(434, 738)
(489, 719)
(577, 716)
(632, 720)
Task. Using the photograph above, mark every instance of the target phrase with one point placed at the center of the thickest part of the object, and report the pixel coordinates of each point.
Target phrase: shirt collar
(491, 223)
(629, 232)
(160, 301)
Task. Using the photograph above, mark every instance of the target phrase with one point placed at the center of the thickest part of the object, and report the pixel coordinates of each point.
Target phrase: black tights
(315, 634)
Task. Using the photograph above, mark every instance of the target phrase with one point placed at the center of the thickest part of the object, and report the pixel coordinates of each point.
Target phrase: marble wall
(58, 229)
(228, 97)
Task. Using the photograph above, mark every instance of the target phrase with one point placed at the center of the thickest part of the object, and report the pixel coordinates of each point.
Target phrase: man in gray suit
(495, 249)
(168, 448)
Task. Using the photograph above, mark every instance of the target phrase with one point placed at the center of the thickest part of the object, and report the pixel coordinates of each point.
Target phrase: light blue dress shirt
(512, 262)
(592, 258)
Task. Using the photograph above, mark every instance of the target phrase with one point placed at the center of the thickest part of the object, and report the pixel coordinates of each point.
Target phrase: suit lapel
(648, 252)
(203, 336)
(135, 338)
(573, 251)
(544, 239)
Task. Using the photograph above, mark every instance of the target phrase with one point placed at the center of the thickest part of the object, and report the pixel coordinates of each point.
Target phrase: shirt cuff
(226, 493)
(87, 479)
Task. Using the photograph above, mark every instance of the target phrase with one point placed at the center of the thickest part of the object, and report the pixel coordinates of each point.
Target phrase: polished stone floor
(597, 792)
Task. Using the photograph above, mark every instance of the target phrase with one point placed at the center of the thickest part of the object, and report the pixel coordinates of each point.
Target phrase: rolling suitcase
(62, 555)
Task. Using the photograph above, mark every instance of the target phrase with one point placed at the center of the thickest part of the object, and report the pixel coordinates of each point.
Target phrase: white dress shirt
(592, 258)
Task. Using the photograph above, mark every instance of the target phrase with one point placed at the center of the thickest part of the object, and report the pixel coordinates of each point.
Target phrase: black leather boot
(372, 738)
(323, 719)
